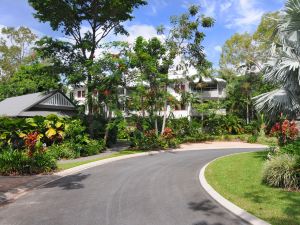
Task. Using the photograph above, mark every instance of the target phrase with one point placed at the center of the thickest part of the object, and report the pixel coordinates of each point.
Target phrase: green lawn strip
(238, 179)
(64, 166)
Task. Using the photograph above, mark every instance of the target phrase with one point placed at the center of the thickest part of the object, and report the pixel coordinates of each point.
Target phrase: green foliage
(282, 171)
(223, 124)
(282, 67)
(292, 148)
(187, 131)
(15, 131)
(14, 162)
(15, 49)
(36, 77)
(65, 150)
(92, 147)
(252, 139)
(149, 140)
(76, 58)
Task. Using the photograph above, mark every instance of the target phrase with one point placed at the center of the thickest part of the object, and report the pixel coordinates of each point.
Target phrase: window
(179, 107)
(179, 87)
(210, 87)
(80, 94)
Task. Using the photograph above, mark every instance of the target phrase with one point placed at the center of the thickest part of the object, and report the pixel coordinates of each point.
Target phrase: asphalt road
(161, 189)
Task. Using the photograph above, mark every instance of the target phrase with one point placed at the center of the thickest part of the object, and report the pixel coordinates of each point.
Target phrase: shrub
(14, 162)
(223, 124)
(93, 147)
(282, 171)
(64, 151)
(149, 140)
(285, 131)
(252, 139)
(252, 128)
(292, 148)
(19, 133)
(74, 130)
(42, 162)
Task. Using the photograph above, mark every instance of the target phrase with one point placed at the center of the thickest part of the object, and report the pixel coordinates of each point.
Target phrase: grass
(64, 166)
(238, 179)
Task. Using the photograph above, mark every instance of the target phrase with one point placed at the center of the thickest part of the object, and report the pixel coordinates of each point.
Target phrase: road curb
(224, 202)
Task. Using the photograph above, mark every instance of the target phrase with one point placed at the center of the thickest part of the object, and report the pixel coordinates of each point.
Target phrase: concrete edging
(226, 203)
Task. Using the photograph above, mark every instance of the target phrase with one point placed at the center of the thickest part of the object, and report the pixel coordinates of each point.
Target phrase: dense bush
(149, 140)
(293, 148)
(285, 131)
(19, 162)
(36, 143)
(17, 132)
(71, 150)
(64, 151)
(223, 124)
(92, 147)
(282, 171)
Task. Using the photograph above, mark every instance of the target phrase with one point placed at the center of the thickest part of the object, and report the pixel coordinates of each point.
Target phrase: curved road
(161, 189)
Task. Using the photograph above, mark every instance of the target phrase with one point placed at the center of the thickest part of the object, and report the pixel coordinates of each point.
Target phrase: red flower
(106, 92)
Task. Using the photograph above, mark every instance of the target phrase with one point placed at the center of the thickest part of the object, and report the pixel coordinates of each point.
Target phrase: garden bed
(238, 179)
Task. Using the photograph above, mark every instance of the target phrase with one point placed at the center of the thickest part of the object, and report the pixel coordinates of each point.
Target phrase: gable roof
(26, 105)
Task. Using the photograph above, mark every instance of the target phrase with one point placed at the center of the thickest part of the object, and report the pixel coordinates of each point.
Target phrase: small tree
(15, 49)
(155, 58)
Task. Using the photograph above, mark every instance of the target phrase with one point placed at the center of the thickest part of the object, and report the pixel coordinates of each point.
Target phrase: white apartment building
(211, 89)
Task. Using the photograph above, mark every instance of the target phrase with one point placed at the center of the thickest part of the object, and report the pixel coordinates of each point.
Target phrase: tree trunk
(90, 106)
(164, 119)
(107, 126)
(247, 113)
(156, 126)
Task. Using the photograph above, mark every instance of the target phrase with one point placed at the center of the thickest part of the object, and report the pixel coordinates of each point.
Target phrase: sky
(231, 16)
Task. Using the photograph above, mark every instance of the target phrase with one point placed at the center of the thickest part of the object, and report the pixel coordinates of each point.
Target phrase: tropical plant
(283, 171)
(14, 162)
(285, 131)
(292, 148)
(283, 66)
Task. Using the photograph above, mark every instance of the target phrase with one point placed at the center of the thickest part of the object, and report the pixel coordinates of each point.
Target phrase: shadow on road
(69, 183)
(206, 223)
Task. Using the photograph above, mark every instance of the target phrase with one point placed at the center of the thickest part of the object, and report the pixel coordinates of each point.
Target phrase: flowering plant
(31, 141)
(285, 130)
(168, 133)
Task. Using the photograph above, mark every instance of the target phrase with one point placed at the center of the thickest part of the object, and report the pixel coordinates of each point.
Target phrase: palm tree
(283, 67)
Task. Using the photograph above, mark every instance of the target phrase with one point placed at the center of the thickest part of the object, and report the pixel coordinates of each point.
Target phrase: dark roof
(36, 104)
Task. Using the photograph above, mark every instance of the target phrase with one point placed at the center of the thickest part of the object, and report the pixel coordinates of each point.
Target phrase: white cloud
(209, 7)
(240, 15)
(224, 6)
(156, 5)
(218, 48)
(247, 15)
(147, 31)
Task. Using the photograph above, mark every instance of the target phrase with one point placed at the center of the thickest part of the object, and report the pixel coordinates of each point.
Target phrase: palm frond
(279, 101)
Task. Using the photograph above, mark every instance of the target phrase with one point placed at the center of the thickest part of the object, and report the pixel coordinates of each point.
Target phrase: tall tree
(15, 47)
(87, 22)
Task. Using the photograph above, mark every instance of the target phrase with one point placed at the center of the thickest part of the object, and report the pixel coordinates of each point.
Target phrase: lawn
(238, 179)
(64, 166)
